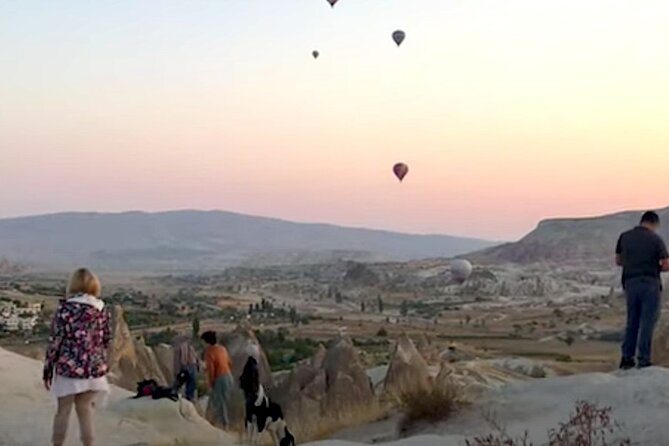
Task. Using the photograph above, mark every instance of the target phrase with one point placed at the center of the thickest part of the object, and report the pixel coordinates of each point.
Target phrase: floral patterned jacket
(80, 335)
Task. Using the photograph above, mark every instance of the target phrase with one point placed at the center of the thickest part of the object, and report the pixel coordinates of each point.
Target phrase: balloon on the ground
(461, 269)
(398, 37)
(332, 2)
(400, 170)
(315, 54)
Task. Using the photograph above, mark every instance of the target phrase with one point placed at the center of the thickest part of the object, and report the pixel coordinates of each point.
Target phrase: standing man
(643, 255)
(186, 364)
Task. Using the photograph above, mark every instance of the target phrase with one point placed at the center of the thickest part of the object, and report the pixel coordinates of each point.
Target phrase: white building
(30, 310)
(12, 323)
(28, 324)
(7, 309)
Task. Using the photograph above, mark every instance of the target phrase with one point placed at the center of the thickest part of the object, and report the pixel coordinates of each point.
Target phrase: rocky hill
(192, 240)
(569, 240)
(28, 411)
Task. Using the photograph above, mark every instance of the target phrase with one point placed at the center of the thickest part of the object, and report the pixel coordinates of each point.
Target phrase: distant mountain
(570, 240)
(191, 240)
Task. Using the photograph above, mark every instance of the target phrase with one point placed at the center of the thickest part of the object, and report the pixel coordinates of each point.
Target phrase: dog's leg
(275, 439)
(250, 427)
(255, 434)
(269, 427)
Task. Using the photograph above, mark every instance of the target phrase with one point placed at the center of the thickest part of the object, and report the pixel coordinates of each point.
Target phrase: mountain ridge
(194, 239)
(570, 240)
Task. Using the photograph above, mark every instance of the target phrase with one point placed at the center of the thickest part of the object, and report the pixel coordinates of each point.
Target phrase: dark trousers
(249, 405)
(189, 391)
(643, 309)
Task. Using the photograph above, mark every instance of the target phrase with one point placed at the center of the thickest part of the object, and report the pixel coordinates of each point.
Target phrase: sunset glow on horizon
(506, 112)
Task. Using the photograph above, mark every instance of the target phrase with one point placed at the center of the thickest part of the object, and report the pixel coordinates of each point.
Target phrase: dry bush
(314, 429)
(588, 425)
(430, 405)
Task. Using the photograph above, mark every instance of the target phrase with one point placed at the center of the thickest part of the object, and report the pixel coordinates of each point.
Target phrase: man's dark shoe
(627, 364)
(645, 364)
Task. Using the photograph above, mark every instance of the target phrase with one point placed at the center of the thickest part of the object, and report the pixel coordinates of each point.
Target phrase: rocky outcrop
(130, 360)
(457, 353)
(638, 400)
(164, 415)
(329, 384)
(571, 241)
(524, 366)
(360, 275)
(408, 371)
(427, 349)
(238, 345)
(472, 378)
(513, 286)
(165, 356)
(346, 377)
(28, 411)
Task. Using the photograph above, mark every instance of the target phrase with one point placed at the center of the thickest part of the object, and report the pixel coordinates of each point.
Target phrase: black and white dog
(266, 415)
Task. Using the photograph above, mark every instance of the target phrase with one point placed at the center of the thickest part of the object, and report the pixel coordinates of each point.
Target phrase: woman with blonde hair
(75, 368)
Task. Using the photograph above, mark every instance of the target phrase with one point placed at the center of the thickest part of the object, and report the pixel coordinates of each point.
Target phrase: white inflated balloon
(461, 269)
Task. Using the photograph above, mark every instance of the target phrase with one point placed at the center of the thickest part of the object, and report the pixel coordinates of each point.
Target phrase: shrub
(160, 337)
(588, 425)
(282, 352)
(321, 428)
(382, 332)
(430, 405)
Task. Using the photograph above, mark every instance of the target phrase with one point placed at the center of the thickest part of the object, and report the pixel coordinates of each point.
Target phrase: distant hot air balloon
(461, 269)
(332, 2)
(315, 54)
(398, 37)
(400, 170)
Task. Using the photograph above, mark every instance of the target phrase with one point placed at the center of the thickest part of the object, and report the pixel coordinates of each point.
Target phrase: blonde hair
(83, 281)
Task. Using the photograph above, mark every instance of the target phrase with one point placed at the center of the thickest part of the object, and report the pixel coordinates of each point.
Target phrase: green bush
(160, 337)
(282, 352)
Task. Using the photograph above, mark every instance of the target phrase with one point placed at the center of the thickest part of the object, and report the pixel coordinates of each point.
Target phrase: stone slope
(569, 240)
(639, 400)
(27, 414)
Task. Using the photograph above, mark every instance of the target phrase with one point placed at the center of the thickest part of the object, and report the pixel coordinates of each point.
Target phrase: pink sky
(506, 112)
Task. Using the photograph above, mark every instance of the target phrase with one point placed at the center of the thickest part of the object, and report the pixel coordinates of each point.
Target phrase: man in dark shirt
(643, 256)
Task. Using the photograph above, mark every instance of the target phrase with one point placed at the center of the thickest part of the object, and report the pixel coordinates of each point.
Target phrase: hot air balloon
(332, 2)
(398, 37)
(400, 170)
(461, 270)
(315, 54)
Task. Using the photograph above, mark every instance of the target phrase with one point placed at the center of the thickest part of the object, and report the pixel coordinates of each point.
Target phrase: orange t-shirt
(217, 362)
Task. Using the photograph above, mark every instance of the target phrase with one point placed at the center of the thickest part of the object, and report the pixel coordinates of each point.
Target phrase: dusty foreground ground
(27, 411)
(639, 402)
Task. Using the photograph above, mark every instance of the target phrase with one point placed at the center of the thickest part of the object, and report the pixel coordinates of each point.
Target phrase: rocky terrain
(637, 398)
(333, 384)
(347, 341)
(28, 413)
(335, 388)
(130, 359)
(573, 241)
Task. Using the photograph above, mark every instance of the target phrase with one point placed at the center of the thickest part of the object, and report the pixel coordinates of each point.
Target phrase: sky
(507, 112)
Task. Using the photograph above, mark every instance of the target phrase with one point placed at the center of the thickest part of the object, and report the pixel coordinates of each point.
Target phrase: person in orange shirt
(219, 376)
